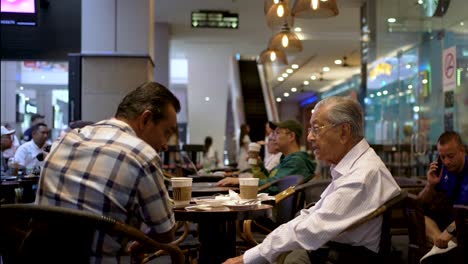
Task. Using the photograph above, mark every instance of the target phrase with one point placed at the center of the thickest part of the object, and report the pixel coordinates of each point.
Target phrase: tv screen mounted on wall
(19, 12)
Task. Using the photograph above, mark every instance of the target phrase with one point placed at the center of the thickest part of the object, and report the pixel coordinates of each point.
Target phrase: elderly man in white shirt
(360, 184)
(31, 153)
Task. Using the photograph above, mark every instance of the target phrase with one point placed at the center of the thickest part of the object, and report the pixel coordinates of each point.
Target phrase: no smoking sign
(449, 67)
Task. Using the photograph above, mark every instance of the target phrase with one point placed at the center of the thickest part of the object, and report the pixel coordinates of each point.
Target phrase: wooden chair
(385, 237)
(311, 191)
(417, 245)
(47, 234)
(461, 221)
(285, 208)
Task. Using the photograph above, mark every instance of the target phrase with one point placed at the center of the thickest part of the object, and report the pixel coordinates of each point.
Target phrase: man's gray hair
(342, 109)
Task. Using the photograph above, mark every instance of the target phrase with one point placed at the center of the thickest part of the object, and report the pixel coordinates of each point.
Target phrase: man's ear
(145, 118)
(345, 132)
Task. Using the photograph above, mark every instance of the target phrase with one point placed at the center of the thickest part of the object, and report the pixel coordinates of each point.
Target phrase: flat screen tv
(19, 12)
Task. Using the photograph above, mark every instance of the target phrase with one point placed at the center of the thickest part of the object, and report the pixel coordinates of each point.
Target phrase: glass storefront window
(35, 87)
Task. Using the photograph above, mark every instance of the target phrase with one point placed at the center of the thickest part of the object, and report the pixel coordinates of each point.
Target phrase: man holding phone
(447, 184)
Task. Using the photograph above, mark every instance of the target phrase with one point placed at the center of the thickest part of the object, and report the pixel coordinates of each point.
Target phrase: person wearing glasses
(287, 136)
(360, 184)
(112, 168)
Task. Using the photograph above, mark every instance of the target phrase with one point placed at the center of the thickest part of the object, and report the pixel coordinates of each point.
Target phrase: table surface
(216, 214)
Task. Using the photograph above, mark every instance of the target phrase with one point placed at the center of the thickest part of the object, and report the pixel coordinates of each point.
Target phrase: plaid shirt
(106, 169)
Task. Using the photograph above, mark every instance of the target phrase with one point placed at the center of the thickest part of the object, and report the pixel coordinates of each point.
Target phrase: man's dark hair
(448, 136)
(37, 126)
(36, 116)
(272, 125)
(148, 96)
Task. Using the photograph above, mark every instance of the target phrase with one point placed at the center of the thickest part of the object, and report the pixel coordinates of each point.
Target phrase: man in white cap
(7, 142)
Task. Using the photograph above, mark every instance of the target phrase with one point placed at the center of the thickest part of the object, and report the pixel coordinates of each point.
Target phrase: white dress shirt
(360, 184)
(272, 161)
(26, 154)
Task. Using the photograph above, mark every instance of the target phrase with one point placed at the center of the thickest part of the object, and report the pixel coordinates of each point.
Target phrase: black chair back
(461, 221)
(287, 208)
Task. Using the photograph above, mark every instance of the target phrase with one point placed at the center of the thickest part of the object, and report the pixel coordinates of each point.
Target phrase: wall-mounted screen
(19, 12)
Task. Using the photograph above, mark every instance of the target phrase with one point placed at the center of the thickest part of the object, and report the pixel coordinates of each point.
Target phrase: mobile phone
(439, 166)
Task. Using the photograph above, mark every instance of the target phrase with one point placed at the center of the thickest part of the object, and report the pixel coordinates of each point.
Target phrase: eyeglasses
(315, 130)
(278, 131)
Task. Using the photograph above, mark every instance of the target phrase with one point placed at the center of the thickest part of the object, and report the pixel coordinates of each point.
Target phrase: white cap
(5, 131)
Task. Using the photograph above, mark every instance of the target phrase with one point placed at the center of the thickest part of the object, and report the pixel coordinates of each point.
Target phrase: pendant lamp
(278, 14)
(315, 8)
(285, 40)
(273, 56)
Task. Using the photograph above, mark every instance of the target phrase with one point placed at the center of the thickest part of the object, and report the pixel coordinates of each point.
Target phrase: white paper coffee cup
(248, 188)
(181, 191)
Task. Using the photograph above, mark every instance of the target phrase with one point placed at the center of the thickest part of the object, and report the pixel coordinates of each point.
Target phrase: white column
(208, 76)
(118, 50)
(118, 26)
(161, 50)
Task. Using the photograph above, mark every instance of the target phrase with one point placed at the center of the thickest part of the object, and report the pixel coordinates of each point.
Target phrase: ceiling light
(280, 79)
(385, 92)
(298, 29)
(408, 66)
(279, 14)
(401, 94)
(289, 71)
(207, 98)
(371, 95)
(273, 56)
(21, 88)
(379, 94)
(285, 40)
(424, 81)
(313, 77)
(294, 89)
(408, 91)
(420, 2)
(315, 9)
(391, 20)
(410, 86)
(295, 66)
(286, 94)
(326, 69)
(416, 108)
(26, 98)
(285, 75)
(278, 99)
(306, 82)
(462, 24)
(338, 62)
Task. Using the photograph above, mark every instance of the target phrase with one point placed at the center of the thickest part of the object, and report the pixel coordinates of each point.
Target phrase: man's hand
(442, 240)
(432, 177)
(228, 181)
(236, 260)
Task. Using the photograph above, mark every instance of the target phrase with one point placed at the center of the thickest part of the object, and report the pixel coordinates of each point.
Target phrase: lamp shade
(273, 56)
(286, 41)
(315, 8)
(278, 14)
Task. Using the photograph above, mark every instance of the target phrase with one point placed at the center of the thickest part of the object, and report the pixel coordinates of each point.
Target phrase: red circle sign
(449, 65)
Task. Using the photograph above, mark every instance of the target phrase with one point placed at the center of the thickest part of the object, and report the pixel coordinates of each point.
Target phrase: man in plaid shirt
(112, 168)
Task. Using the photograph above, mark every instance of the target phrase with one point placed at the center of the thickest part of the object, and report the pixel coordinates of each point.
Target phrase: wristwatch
(451, 229)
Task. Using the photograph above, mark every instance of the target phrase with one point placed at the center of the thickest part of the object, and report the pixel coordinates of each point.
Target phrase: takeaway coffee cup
(248, 188)
(181, 191)
(254, 151)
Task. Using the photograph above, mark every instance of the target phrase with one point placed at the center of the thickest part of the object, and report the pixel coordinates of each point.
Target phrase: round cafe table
(217, 229)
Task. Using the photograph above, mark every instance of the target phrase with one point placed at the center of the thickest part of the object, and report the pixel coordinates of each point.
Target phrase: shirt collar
(348, 160)
(119, 124)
